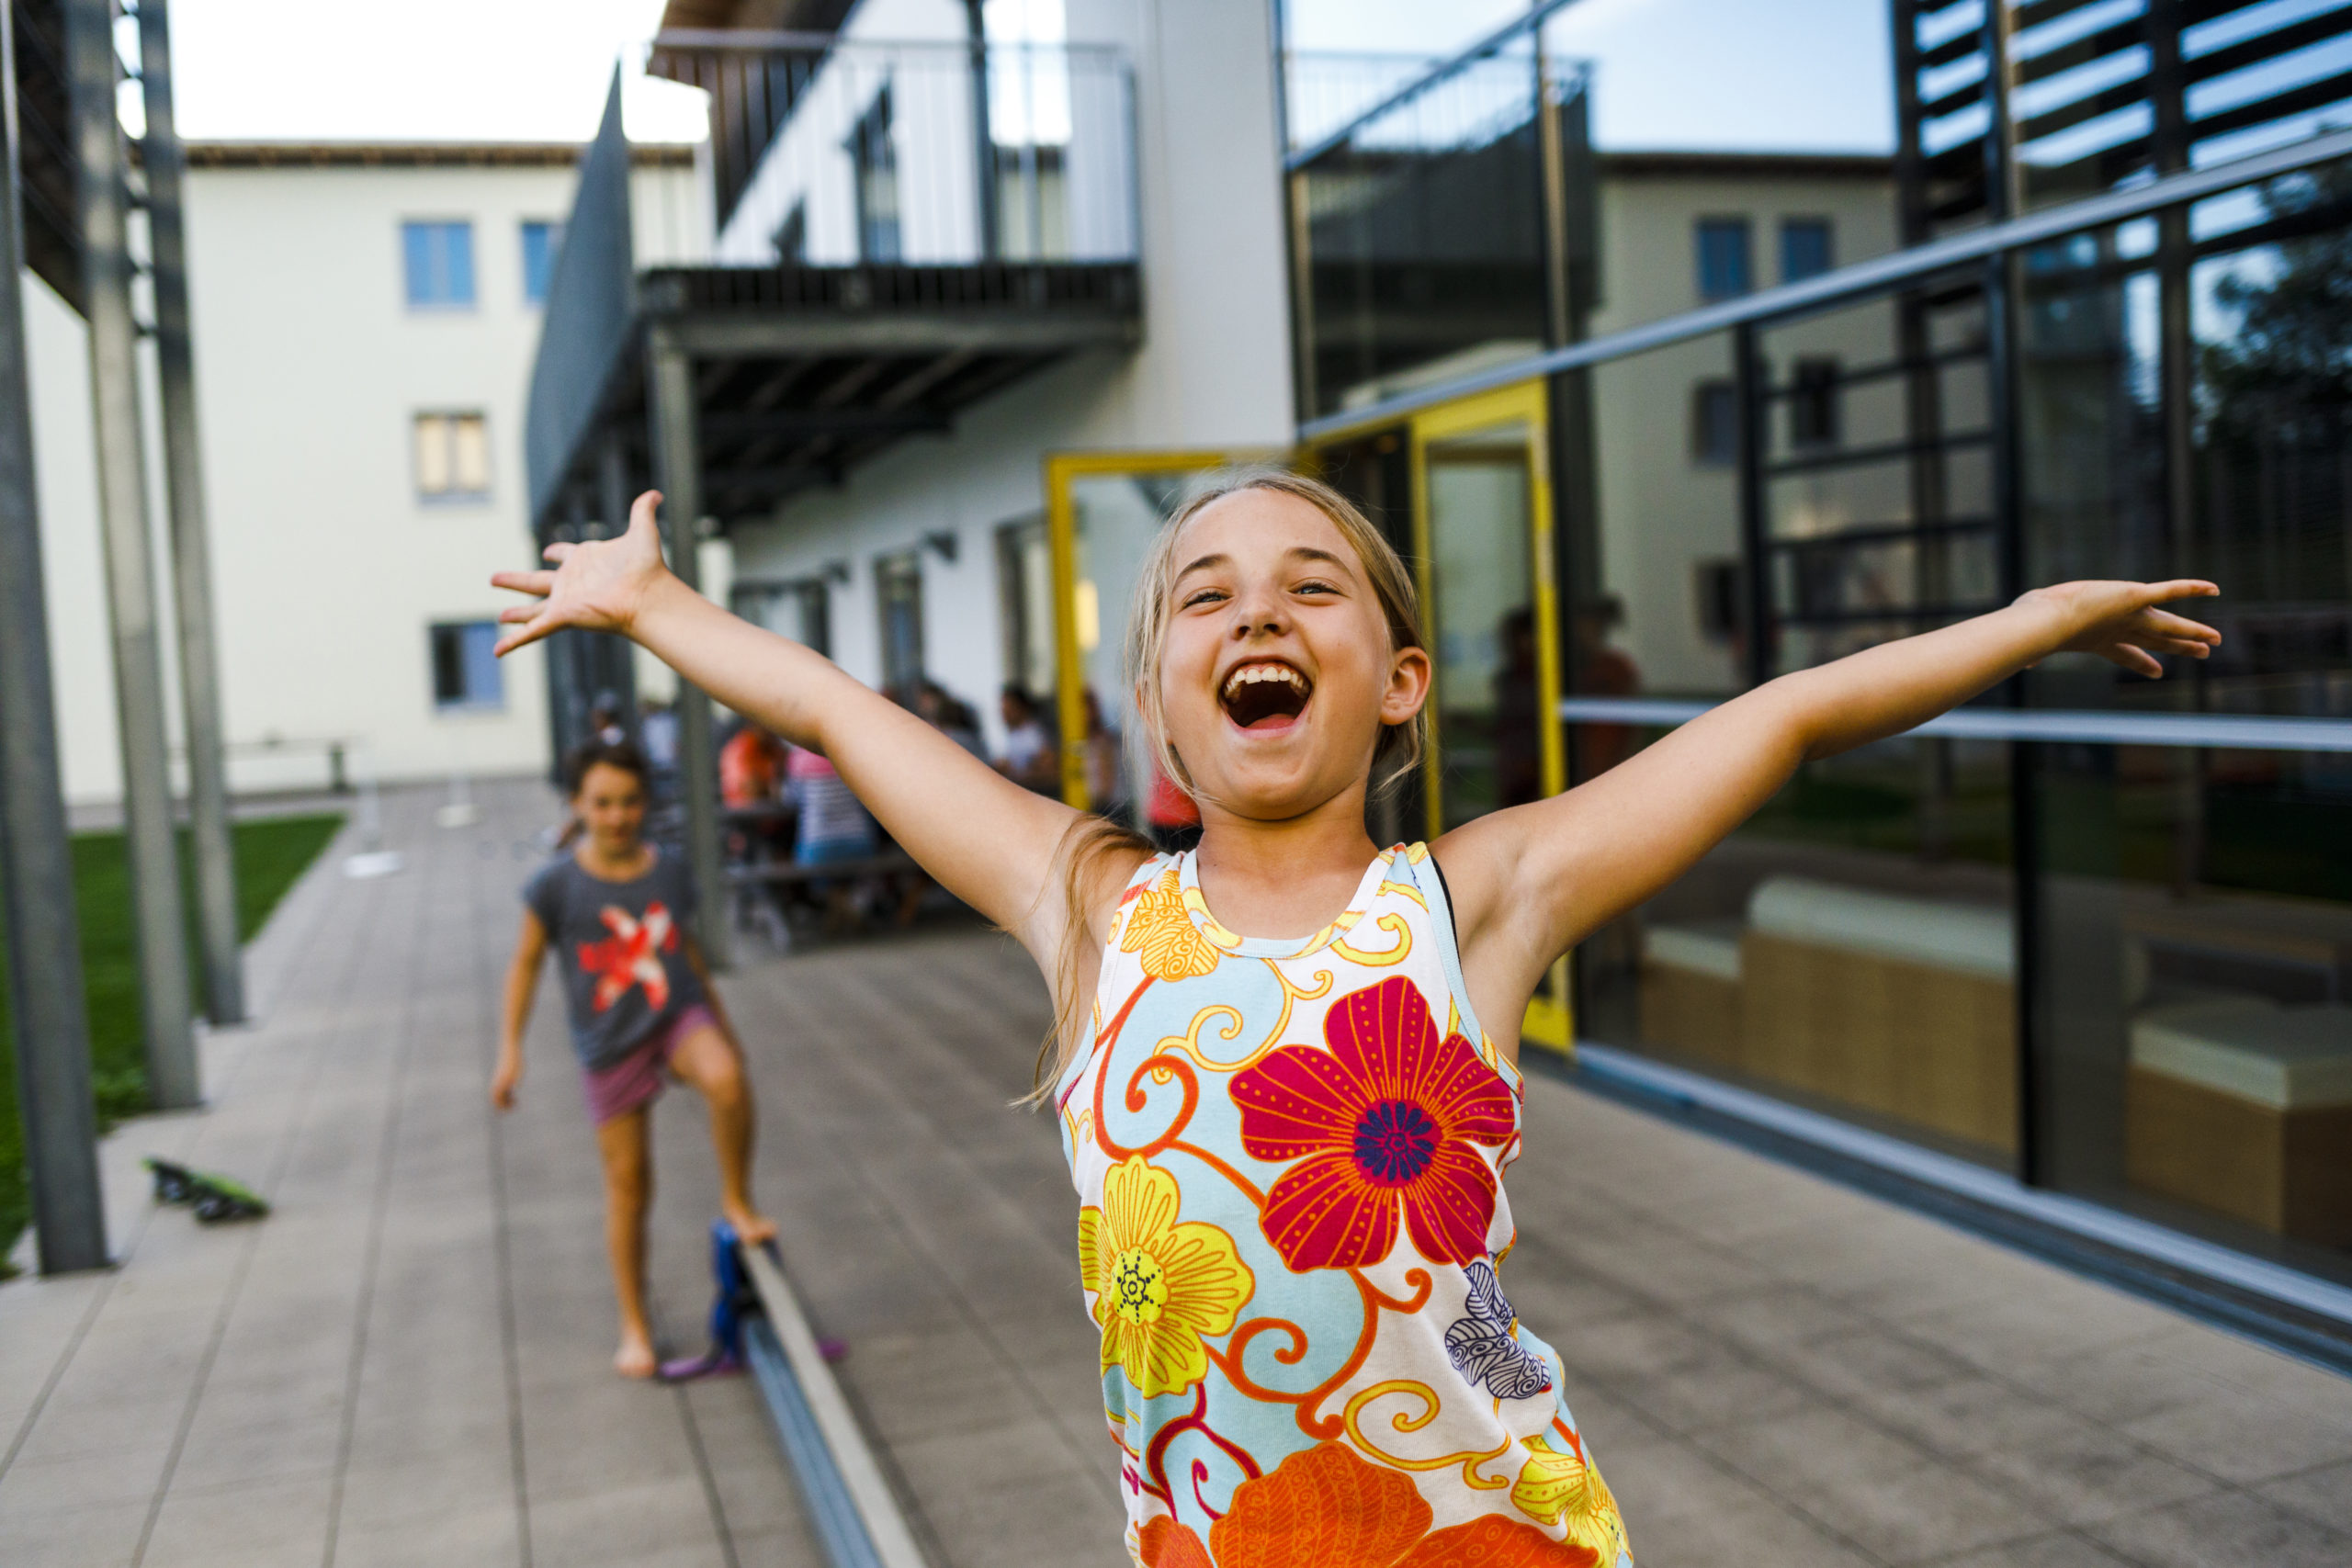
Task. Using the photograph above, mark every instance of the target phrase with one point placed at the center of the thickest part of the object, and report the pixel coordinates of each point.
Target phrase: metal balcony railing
(839, 153)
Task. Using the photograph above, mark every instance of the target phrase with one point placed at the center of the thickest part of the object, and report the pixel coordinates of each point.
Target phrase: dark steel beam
(774, 334)
(199, 663)
(161, 939)
(677, 460)
(44, 949)
(797, 424)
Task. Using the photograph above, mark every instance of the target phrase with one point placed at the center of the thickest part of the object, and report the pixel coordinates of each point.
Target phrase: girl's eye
(1314, 588)
(1204, 596)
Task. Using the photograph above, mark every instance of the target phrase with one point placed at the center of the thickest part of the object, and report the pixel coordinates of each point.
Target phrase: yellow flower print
(1159, 928)
(1160, 1287)
(1560, 1488)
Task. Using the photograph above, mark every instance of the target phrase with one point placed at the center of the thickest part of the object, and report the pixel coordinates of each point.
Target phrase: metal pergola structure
(733, 389)
(66, 182)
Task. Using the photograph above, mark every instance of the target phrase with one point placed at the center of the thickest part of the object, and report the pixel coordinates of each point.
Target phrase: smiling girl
(1286, 1123)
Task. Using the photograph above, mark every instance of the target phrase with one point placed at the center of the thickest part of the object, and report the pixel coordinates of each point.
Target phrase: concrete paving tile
(224, 1451)
(1811, 1448)
(2324, 1495)
(381, 1495)
(595, 1438)
(2247, 1440)
(1751, 1534)
(1016, 1496)
(2063, 1549)
(646, 1522)
(123, 1476)
(778, 1549)
(1659, 1479)
(269, 1522)
(757, 1494)
(2231, 1526)
(455, 1538)
(1930, 1511)
(103, 1536)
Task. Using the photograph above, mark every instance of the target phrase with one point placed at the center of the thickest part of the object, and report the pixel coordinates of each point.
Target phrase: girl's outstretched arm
(987, 839)
(1535, 880)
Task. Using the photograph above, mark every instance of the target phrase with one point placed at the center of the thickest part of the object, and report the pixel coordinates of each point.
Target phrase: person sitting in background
(604, 726)
(950, 716)
(1171, 818)
(833, 828)
(1106, 762)
(1031, 756)
(750, 768)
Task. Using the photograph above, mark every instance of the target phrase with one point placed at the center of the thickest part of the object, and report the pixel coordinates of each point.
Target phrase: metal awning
(46, 164)
(802, 373)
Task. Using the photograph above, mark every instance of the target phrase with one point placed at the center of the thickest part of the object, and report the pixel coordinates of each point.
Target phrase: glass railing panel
(2202, 437)
(1851, 949)
(2195, 933)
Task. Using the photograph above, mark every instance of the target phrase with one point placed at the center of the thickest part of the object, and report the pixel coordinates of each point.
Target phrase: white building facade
(364, 319)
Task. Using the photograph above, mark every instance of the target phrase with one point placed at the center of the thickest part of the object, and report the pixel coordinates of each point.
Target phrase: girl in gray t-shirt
(614, 910)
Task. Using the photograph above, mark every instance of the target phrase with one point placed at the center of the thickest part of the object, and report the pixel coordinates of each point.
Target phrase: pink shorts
(636, 1078)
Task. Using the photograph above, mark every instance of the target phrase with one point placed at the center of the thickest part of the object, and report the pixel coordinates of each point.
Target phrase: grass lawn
(270, 854)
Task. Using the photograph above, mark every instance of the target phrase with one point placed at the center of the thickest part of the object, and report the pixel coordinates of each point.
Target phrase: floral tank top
(1290, 1158)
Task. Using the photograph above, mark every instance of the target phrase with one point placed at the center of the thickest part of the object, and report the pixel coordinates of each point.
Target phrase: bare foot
(635, 1359)
(752, 1227)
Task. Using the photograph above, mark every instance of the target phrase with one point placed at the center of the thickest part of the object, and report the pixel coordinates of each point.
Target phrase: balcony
(899, 230)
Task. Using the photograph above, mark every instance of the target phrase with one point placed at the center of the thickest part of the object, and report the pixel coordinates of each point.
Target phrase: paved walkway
(407, 1362)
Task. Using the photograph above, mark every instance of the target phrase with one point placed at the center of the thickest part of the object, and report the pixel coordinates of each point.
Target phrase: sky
(1786, 76)
(1765, 74)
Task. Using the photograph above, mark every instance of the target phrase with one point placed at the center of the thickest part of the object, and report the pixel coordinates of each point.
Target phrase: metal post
(1752, 380)
(36, 864)
(172, 1080)
(983, 135)
(207, 780)
(677, 461)
(616, 663)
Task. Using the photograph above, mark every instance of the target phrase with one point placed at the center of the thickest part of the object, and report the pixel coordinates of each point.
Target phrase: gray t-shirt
(621, 947)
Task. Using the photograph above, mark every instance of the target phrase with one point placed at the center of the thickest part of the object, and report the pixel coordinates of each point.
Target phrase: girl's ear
(1408, 686)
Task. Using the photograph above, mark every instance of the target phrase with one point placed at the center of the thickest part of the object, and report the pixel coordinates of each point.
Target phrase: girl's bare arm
(1536, 879)
(986, 840)
(522, 985)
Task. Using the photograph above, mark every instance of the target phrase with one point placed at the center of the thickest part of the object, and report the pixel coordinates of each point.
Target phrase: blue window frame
(1724, 269)
(466, 673)
(1808, 248)
(438, 258)
(540, 239)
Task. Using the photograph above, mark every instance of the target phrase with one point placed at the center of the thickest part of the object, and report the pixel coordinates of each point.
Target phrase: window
(540, 239)
(439, 262)
(1025, 586)
(801, 610)
(1714, 424)
(872, 150)
(466, 674)
(898, 591)
(1719, 585)
(1814, 403)
(452, 458)
(1806, 248)
(1724, 269)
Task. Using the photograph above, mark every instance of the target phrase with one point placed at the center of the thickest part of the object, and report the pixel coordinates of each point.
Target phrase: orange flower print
(1159, 1287)
(1325, 1508)
(1160, 929)
(1167, 1544)
(1381, 1121)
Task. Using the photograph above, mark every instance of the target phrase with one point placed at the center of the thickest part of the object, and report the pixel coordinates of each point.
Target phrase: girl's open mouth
(1265, 694)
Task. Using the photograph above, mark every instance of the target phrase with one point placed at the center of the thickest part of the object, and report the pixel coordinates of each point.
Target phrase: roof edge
(419, 154)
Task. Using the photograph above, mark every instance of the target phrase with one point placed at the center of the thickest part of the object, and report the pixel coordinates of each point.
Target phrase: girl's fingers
(2182, 588)
(559, 551)
(2167, 624)
(539, 583)
(2139, 660)
(519, 612)
(520, 636)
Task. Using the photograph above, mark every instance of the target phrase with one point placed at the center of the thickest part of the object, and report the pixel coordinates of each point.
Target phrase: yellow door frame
(1061, 539)
(1550, 1019)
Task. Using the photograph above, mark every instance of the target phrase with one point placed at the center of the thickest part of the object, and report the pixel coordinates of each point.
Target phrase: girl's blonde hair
(1092, 840)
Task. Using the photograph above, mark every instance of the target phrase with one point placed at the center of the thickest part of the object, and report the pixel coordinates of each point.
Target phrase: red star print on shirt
(629, 956)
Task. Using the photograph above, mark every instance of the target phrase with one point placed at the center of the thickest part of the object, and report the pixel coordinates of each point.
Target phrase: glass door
(1483, 550)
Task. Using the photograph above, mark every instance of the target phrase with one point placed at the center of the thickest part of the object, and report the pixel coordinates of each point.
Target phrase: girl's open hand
(2121, 624)
(597, 586)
